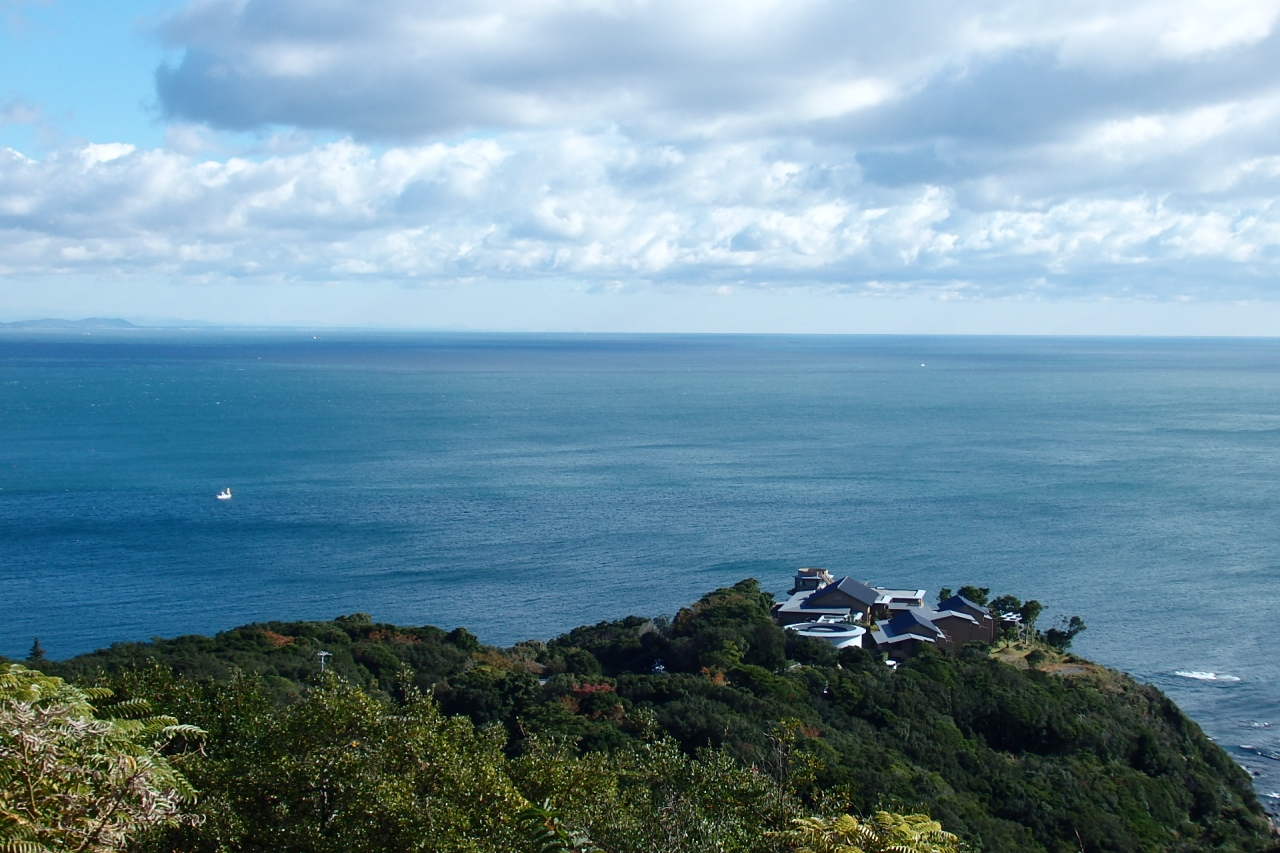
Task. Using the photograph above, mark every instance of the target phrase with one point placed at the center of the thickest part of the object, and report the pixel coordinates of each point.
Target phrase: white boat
(224, 495)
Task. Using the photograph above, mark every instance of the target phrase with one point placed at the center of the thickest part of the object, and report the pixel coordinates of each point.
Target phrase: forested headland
(711, 731)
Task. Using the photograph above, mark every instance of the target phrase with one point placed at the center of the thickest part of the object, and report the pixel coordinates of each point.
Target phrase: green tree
(340, 770)
(1003, 604)
(976, 594)
(36, 656)
(652, 795)
(74, 779)
(1030, 611)
(546, 833)
(1064, 631)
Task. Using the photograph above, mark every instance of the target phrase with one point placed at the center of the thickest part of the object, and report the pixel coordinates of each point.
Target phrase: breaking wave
(1205, 676)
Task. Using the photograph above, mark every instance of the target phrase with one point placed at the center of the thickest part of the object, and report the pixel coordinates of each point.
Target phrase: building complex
(846, 612)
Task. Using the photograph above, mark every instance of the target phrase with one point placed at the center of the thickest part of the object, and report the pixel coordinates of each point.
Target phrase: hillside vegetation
(421, 739)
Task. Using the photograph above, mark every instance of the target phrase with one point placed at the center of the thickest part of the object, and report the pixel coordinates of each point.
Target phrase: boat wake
(1205, 676)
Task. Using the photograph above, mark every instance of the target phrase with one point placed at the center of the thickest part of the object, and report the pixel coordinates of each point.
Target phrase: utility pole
(323, 656)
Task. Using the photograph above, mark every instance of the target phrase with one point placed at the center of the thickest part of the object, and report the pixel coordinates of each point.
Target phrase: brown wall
(961, 631)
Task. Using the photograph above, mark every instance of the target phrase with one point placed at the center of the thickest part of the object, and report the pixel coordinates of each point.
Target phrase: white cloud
(998, 148)
(404, 69)
(599, 208)
(93, 154)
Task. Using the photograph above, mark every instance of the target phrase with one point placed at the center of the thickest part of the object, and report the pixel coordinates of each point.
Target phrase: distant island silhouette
(87, 323)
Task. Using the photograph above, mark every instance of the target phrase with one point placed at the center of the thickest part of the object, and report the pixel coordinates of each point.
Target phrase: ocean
(523, 485)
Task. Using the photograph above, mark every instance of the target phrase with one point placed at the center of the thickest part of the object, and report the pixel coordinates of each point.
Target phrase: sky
(1001, 167)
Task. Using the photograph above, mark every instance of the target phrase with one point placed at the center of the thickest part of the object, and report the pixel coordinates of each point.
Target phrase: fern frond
(187, 731)
(129, 709)
(23, 847)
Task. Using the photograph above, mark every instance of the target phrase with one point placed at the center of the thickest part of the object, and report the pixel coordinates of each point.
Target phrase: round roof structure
(838, 634)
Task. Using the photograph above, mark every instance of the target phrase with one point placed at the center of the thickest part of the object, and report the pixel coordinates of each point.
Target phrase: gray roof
(881, 638)
(814, 612)
(799, 603)
(953, 614)
(900, 593)
(905, 621)
(854, 589)
(957, 601)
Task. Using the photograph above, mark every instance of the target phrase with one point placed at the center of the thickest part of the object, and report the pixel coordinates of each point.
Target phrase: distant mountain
(88, 323)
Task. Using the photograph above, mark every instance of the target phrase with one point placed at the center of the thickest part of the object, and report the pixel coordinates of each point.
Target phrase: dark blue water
(524, 485)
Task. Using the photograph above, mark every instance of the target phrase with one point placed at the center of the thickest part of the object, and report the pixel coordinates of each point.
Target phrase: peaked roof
(856, 590)
(916, 617)
(955, 602)
(953, 614)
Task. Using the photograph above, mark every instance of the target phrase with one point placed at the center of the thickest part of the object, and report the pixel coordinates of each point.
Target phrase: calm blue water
(524, 485)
